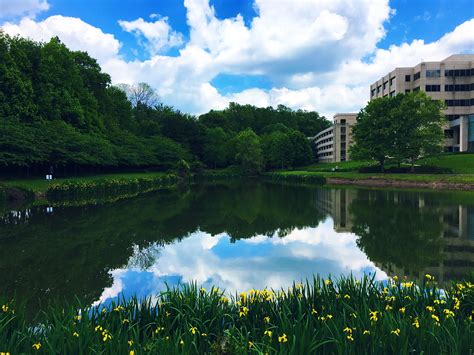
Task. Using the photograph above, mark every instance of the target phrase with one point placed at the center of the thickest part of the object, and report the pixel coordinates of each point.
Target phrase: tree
(404, 127)
(302, 152)
(277, 150)
(140, 93)
(374, 131)
(419, 125)
(248, 152)
(215, 150)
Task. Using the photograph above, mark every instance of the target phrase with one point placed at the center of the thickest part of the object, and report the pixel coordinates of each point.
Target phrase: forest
(60, 112)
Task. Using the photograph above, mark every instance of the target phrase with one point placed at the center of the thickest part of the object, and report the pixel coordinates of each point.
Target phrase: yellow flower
(327, 282)
(283, 338)
(78, 317)
(193, 330)
(125, 321)
(130, 342)
(407, 284)
(347, 297)
(374, 315)
(429, 277)
(106, 336)
(448, 312)
(4, 353)
(36, 346)
(395, 278)
(250, 344)
(243, 311)
(75, 334)
(329, 316)
(203, 290)
(430, 308)
(396, 332)
(402, 310)
(181, 342)
(349, 337)
(313, 311)
(4, 308)
(168, 313)
(366, 332)
(224, 299)
(204, 334)
(435, 317)
(118, 309)
(132, 352)
(347, 330)
(268, 332)
(388, 307)
(416, 323)
(98, 328)
(266, 319)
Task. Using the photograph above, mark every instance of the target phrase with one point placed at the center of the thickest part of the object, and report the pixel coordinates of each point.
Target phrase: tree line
(59, 109)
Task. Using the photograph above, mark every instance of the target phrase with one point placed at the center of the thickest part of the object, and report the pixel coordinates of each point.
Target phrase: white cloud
(73, 32)
(12, 8)
(313, 51)
(158, 35)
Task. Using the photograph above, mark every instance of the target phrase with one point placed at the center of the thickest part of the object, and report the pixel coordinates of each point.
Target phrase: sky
(198, 55)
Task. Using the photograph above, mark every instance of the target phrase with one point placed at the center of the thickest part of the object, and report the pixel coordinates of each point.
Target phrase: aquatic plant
(325, 316)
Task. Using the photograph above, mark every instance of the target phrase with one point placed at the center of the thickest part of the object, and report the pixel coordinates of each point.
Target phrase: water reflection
(236, 236)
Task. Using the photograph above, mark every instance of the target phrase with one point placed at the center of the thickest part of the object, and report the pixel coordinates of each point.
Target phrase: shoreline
(408, 184)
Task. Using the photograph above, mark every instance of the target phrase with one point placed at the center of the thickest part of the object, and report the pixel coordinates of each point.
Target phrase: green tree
(374, 133)
(419, 122)
(215, 150)
(277, 150)
(302, 152)
(248, 152)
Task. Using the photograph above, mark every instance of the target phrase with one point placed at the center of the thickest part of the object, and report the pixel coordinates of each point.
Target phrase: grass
(40, 185)
(458, 163)
(344, 316)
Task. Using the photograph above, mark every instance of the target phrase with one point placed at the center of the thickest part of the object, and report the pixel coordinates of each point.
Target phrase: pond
(235, 235)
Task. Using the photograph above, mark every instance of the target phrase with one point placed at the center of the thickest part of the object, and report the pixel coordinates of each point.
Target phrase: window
(416, 76)
(452, 117)
(459, 87)
(458, 72)
(407, 78)
(392, 94)
(385, 85)
(343, 121)
(343, 137)
(391, 81)
(448, 133)
(430, 88)
(407, 91)
(343, 130)
(465, 102)
(378, 89)
(433, 73)
(372, 92)
(416, 89)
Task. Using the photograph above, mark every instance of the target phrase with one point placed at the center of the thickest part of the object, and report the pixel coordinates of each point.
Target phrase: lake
(235, 235)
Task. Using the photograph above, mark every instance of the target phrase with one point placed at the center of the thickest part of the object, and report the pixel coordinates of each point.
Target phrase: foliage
(183, 169)
(405, 127)
(248, 152)
(301, 178)
(324, 316)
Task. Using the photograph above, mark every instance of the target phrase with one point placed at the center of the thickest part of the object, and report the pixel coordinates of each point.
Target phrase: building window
(372, 92)
(448, 133)
(343, 121)
(385, 85)
(430, 88)
(343, 137)
(392, 94)
(416, 89)
(416, 76)
(433, 73)
(391, 81)
(465, 102)
(407, 91)
(452, 117)
(459, 87)
(407, 78)
(457, 72)
(343, 130)
(378, 89)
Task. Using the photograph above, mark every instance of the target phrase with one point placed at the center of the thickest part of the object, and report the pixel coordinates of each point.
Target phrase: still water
(236, 236)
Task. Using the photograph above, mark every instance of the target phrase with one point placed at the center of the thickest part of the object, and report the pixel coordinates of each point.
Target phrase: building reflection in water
(455, 247)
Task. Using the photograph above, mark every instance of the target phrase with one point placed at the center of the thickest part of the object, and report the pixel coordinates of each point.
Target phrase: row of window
(436, 73)
(453, 117)
(325, 141)
(430, 88)
(466, 102)
(328, 154)
(324, 134)
(324, 148)
(459, 87)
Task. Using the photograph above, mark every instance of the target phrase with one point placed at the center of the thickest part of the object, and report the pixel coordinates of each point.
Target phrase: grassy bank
(324, 316)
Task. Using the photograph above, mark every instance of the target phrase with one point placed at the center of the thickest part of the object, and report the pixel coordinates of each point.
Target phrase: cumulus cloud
(73, 32)
(28, 8)
(155, 36)
(314, 52)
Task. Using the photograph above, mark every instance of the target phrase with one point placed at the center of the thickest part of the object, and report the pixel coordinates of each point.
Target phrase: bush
(298, 178)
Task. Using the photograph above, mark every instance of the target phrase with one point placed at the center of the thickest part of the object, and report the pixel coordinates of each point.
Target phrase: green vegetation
(324, 316)
(462, 163)
(404, 127)
(60, 112)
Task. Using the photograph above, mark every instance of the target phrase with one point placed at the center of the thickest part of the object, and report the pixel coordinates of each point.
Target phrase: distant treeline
(58, 109)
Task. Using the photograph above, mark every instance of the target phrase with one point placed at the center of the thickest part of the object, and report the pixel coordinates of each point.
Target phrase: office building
(451, 81)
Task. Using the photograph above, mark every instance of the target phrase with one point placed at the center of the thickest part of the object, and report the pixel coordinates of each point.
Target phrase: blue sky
(202, 54)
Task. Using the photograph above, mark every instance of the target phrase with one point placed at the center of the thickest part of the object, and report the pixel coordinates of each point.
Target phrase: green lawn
(41, 185)
(458, 163)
